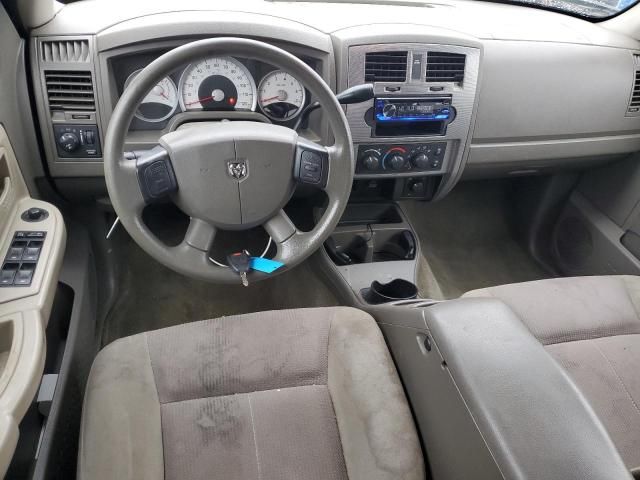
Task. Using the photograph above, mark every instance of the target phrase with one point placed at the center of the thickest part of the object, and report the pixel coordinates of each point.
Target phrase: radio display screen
(408, 109)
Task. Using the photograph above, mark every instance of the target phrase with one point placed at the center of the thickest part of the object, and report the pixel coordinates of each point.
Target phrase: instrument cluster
(220, 84)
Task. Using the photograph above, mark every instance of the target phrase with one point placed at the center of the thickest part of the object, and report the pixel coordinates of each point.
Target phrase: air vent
(385, 67)
(634, 102)
(70, 90)
(445, 67)
(68, 51)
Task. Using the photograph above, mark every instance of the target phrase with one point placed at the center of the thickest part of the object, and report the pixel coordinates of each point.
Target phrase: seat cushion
(590, 326)
(287, 394)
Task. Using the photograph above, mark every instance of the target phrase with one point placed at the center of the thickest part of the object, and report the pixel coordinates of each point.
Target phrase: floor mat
(152, 296)
(467, 241)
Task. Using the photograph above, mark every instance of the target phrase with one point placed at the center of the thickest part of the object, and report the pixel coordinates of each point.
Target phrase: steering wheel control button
(155, 175)
(34, 215)
(21, 259)
(313, 167)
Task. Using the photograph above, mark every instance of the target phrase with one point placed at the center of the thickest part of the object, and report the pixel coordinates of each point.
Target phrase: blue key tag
(265, 265)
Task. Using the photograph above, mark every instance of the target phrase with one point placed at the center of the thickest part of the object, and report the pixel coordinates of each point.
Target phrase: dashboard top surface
(475, 18)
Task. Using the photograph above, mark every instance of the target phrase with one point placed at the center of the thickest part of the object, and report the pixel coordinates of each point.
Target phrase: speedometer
(219, 83)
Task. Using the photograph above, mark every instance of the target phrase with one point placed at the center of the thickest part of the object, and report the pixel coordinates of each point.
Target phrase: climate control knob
(69, 141)
(421, 161)
(371, 162)
(397, 162)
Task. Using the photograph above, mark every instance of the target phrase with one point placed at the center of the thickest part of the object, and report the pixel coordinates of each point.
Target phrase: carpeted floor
(467, 241)
(153, 296)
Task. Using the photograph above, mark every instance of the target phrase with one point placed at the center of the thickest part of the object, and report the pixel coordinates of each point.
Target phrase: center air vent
(634, 101)
(65, 51)
(445, 67)
(70, 90)
(385, 67)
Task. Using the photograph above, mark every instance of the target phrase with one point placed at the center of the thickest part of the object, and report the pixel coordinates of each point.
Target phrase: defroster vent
(445, 67)
(385, 67)
(70, 90)
(67, 51)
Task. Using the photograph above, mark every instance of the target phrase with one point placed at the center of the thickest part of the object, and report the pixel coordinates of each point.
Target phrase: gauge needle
(265, 100)
(210, 97)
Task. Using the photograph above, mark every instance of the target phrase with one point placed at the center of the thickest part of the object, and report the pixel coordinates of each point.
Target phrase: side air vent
(67, 51)
(634, 101)
(70, 90)
(385, 67)
(445, 67)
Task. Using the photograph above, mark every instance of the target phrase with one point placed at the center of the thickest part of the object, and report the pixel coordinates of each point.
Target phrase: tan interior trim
(24, 311)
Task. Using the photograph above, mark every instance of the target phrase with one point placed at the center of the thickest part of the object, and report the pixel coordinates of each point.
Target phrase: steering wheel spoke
(200, 234)
(131, 194)
(312, 163)
(280, 227)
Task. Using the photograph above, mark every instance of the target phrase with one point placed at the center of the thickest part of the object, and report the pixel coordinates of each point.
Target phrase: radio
(410, 109)
(412, 116)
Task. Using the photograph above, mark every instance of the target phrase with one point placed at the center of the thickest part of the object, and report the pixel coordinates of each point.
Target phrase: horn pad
(235, 175)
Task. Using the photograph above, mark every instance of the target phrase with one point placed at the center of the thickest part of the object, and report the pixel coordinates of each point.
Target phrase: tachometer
(281, 96)
(160, 102)
(219, 83)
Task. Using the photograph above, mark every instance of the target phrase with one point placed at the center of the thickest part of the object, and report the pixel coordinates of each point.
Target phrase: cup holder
(397, 289)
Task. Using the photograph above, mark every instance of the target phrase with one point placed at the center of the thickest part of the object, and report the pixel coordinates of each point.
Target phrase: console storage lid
(534, 420)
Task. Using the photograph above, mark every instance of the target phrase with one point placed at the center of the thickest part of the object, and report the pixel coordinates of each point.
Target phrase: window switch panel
(21, 259)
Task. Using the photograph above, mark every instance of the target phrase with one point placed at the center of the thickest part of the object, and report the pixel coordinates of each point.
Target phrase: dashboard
(523, 91)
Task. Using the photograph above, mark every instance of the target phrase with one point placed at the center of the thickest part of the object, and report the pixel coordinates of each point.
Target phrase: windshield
(599, 9)
(590, 9)
(595, 10)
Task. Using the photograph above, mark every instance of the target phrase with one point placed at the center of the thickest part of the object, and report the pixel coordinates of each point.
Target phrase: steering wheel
(232, 175)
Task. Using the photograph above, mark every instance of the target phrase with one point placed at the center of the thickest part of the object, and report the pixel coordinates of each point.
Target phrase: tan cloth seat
(590, 326)
(292, 394)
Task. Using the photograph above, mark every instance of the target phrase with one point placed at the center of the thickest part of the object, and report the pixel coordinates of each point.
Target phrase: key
(240, 263)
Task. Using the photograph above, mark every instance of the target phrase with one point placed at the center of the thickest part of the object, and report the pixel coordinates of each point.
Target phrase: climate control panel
(401, 158)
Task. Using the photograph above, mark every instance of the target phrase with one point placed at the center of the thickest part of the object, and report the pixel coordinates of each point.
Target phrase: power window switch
(31, 254)
(6, 277)
(23, 276)
(15, 254)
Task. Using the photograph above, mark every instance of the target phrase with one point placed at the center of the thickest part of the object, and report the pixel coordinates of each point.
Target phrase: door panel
(32, 239)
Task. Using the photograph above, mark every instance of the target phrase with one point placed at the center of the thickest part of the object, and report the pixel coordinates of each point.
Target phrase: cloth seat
(591, 327)
(290, 394)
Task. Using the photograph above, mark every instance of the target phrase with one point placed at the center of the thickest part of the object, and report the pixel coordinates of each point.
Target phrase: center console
(413, 133)
(410, 142)
(374, 249)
